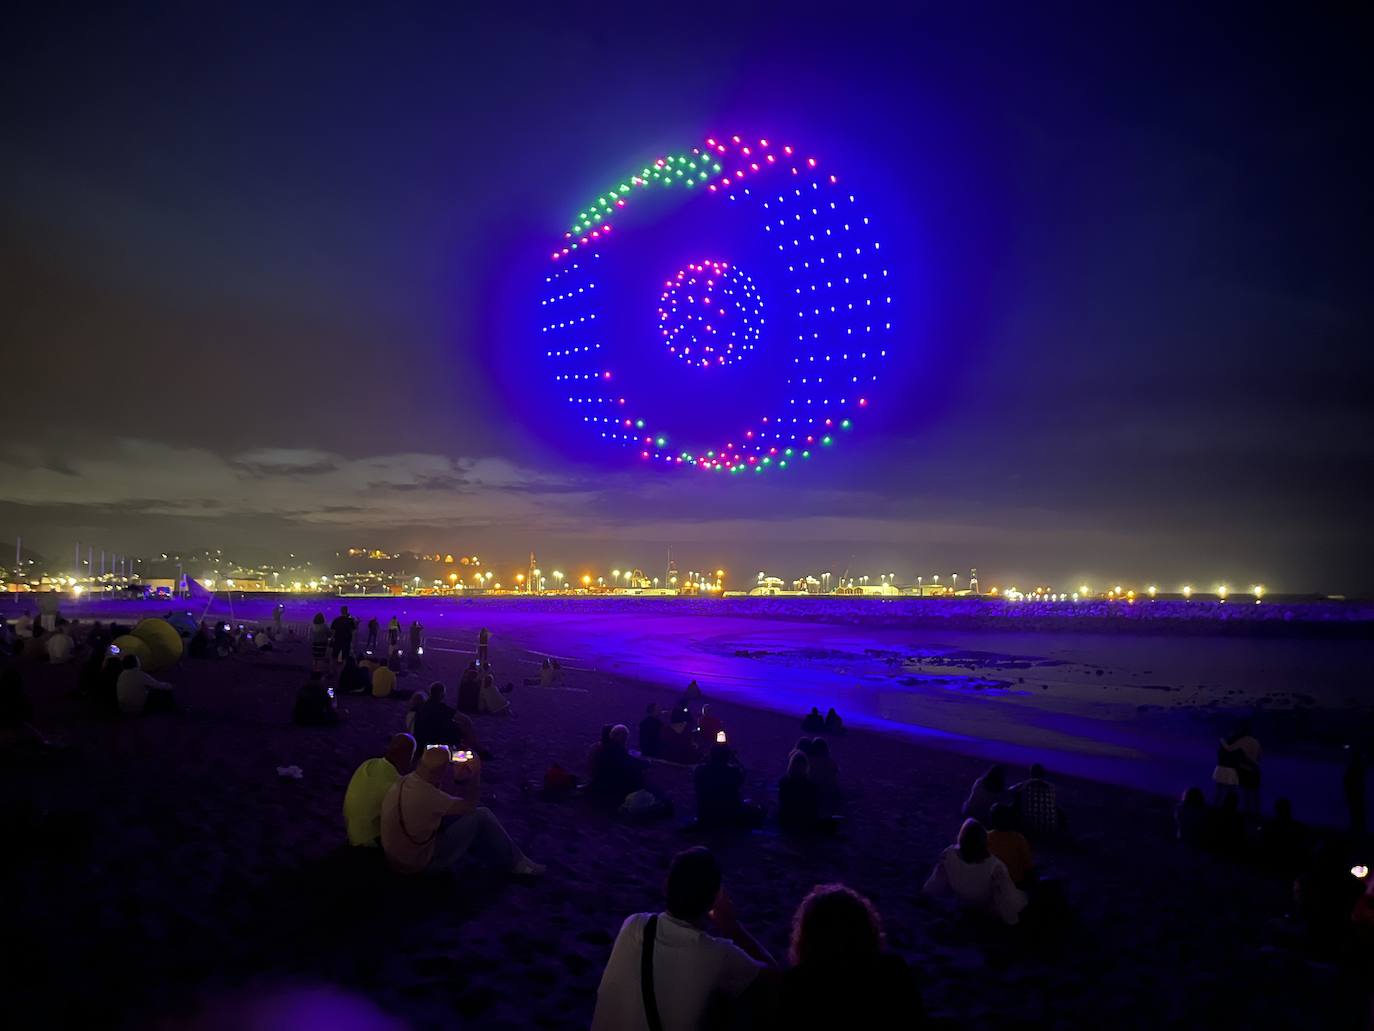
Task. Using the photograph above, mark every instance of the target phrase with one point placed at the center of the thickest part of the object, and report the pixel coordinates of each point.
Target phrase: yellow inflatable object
(128, 644)
(383, 682)
(163, 641)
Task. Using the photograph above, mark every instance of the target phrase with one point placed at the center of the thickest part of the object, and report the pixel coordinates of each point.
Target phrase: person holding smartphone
(426, 828)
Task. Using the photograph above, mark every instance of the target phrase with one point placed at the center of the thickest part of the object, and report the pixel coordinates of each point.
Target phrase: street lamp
(1222, 592)
(1187, 592)
(1258, 592)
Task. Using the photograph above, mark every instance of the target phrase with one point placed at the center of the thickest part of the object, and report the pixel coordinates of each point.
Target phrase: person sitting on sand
(988, 790)
(678, 746)
(717, 782)
(353, 679)
(1191, 819)
(107, 694)
(799, 800)
(315, 704)
(1238, 768)
(138, 693)
(833, 723)
(470, 689)
(708, 726)
(665, 971)
(319, 642)
(362, 805)
(1010, 845)
(18, 735)
(1227, 833)
(491, 699)
(614, 772)
(60, 644)
(438, 723)
(202, 644)
(813, 722)
(1283, 841)
(1037, 808)
(977, 878)
(225, 645)
(651, 732)
(424, 828)
(824, 772)
(1324, 896)
(842, 975)
(36, 647)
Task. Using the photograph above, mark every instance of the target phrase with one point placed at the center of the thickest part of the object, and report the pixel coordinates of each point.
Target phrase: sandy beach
(167, 876)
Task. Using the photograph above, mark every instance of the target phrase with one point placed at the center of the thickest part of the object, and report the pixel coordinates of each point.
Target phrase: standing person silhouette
(483, 641)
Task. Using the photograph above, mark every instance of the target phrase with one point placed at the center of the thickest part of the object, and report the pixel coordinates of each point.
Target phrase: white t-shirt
(984, 886)
(60, 647)
(690, 968)
(410, 848)
(23, 626)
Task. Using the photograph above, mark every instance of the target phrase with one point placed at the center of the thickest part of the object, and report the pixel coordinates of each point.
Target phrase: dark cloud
(267, 280)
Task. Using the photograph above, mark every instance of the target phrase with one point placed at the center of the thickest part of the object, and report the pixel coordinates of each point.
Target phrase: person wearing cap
(426, 829)
(362, 805)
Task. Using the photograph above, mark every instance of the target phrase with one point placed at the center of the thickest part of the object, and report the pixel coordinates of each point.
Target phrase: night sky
(269, 282)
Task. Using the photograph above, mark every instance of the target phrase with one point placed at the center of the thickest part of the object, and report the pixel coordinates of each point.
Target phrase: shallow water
(1139, 710)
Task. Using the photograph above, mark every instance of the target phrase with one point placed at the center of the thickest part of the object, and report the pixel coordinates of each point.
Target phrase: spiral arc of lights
(831, 321)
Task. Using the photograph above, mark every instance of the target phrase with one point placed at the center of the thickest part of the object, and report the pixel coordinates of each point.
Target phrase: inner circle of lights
(710, 313)
(831, 330)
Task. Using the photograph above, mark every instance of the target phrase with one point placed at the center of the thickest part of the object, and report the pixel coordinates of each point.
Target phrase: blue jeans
(480, 833)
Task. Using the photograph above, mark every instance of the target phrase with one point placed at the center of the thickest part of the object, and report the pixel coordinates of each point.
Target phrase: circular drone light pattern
(829, 328)
(710, 313)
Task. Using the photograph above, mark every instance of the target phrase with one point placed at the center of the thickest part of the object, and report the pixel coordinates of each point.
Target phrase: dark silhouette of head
(996, 778)
(973, 841)
(693, 884)
(835, 926)
(436, 691)
(1002, 817)
(1283, 809)
(1037, 772)
(1193, 798)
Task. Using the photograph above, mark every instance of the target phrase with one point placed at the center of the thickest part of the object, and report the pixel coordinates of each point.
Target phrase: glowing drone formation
(828, 327)
(695, 307)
